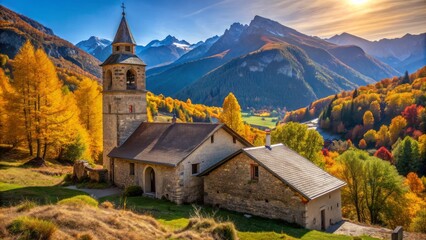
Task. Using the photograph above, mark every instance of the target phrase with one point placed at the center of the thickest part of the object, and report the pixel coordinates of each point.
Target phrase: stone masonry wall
(206, 155)
(168, 180)
(230, 187)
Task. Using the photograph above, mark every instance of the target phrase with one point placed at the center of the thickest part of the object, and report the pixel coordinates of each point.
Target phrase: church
(203, 162)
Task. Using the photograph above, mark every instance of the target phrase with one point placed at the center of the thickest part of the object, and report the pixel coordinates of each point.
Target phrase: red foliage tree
(385, 154)
(410, 113)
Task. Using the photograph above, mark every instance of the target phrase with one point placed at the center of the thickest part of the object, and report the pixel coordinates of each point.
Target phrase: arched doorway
(108, 80)
(131, 80)
(149, 180)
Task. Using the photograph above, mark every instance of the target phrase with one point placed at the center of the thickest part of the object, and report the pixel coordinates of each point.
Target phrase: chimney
(268, 139)
(174, 118)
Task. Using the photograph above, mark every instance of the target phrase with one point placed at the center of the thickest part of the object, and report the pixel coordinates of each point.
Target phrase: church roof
(123, 58)
(124, 35)
(167, 143)
(291, 168)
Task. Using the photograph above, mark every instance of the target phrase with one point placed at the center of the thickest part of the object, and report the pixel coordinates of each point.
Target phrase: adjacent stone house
(274, 182)
(165, 158)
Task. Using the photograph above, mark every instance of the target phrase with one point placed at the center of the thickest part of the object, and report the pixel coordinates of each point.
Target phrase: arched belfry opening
(108, 80)
(131, 80)
(149, 180)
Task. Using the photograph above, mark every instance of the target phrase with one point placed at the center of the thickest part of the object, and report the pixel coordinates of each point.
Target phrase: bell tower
(124, 91)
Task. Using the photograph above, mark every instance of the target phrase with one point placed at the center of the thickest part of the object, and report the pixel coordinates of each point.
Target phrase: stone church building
(203, 162)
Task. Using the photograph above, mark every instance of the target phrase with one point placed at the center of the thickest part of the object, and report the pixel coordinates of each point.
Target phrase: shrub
(419, 222)
(26, 205)
(107, 204)
(225, 231)
(85, 236)
(133, 191)
(79, 200)
(32, 228)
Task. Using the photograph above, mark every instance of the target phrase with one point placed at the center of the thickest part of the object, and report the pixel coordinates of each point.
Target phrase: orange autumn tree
(414, 182)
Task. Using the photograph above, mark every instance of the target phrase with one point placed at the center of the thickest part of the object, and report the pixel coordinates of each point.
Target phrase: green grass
(255, 228)
(259, 121)
(13, 194)
(80, 200)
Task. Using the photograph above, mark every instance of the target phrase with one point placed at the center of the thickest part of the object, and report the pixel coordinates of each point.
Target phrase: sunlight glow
(358, 2)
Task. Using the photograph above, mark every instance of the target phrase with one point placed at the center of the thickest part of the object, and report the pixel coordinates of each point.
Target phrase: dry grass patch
(84, 221)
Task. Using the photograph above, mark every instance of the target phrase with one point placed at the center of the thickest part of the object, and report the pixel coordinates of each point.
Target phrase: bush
(419, 222)
(79, 200)
(26, 205)
(32, 228)
(133, 191)
(225, 231)
(107, 204)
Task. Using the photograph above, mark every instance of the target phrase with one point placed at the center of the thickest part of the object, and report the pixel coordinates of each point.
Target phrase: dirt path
(98, 193)
(353, 229)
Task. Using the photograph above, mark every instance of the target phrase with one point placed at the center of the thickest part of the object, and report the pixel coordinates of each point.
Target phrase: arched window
(131, 80)
(108, 80)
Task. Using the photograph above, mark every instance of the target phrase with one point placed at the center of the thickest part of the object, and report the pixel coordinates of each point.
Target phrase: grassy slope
(38, 184)
(256, 120)
(177, 216)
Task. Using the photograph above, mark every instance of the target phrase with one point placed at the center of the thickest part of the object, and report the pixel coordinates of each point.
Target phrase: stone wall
(206, 155)
(230, 187)
(82, 171)
(331, 204)
(168, 180)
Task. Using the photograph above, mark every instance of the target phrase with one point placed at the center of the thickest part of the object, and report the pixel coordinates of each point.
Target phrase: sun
(358, 2)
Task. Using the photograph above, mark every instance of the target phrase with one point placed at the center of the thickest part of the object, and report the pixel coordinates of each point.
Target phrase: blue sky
(195, 20)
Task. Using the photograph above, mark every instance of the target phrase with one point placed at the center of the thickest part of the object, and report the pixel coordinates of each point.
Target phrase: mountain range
(264, 63)
(156, 53)
(240, 62)
(407, 53)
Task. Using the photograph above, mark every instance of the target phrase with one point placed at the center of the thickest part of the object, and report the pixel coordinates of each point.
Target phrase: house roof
(291, 168)
(167, 143)
(124, 35)
(123, 58)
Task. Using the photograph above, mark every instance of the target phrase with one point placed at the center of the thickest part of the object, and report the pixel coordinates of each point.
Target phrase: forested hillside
(16, 29)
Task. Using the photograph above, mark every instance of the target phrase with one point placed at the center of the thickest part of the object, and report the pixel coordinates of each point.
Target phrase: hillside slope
(15, 29)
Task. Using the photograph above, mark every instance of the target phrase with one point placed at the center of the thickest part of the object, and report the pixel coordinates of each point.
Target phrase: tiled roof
(166, 143)
(123, 34)
(123, 59)
(295, 170)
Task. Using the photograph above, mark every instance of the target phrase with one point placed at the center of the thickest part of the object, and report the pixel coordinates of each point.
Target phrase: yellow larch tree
(231, 114)
(5, 91)
(39, 101)
(89, 101)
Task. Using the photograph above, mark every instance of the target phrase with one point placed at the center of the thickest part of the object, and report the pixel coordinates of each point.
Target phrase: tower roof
(123, 34)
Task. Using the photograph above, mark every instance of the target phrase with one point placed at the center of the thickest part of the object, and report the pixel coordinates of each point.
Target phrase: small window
(254, 172)
(195, 168)
(132, 169)
(337, 204)
(212, 139)
(109, 108)
(130, 108)
(117, 48)
(234, 139)
(128, 48)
